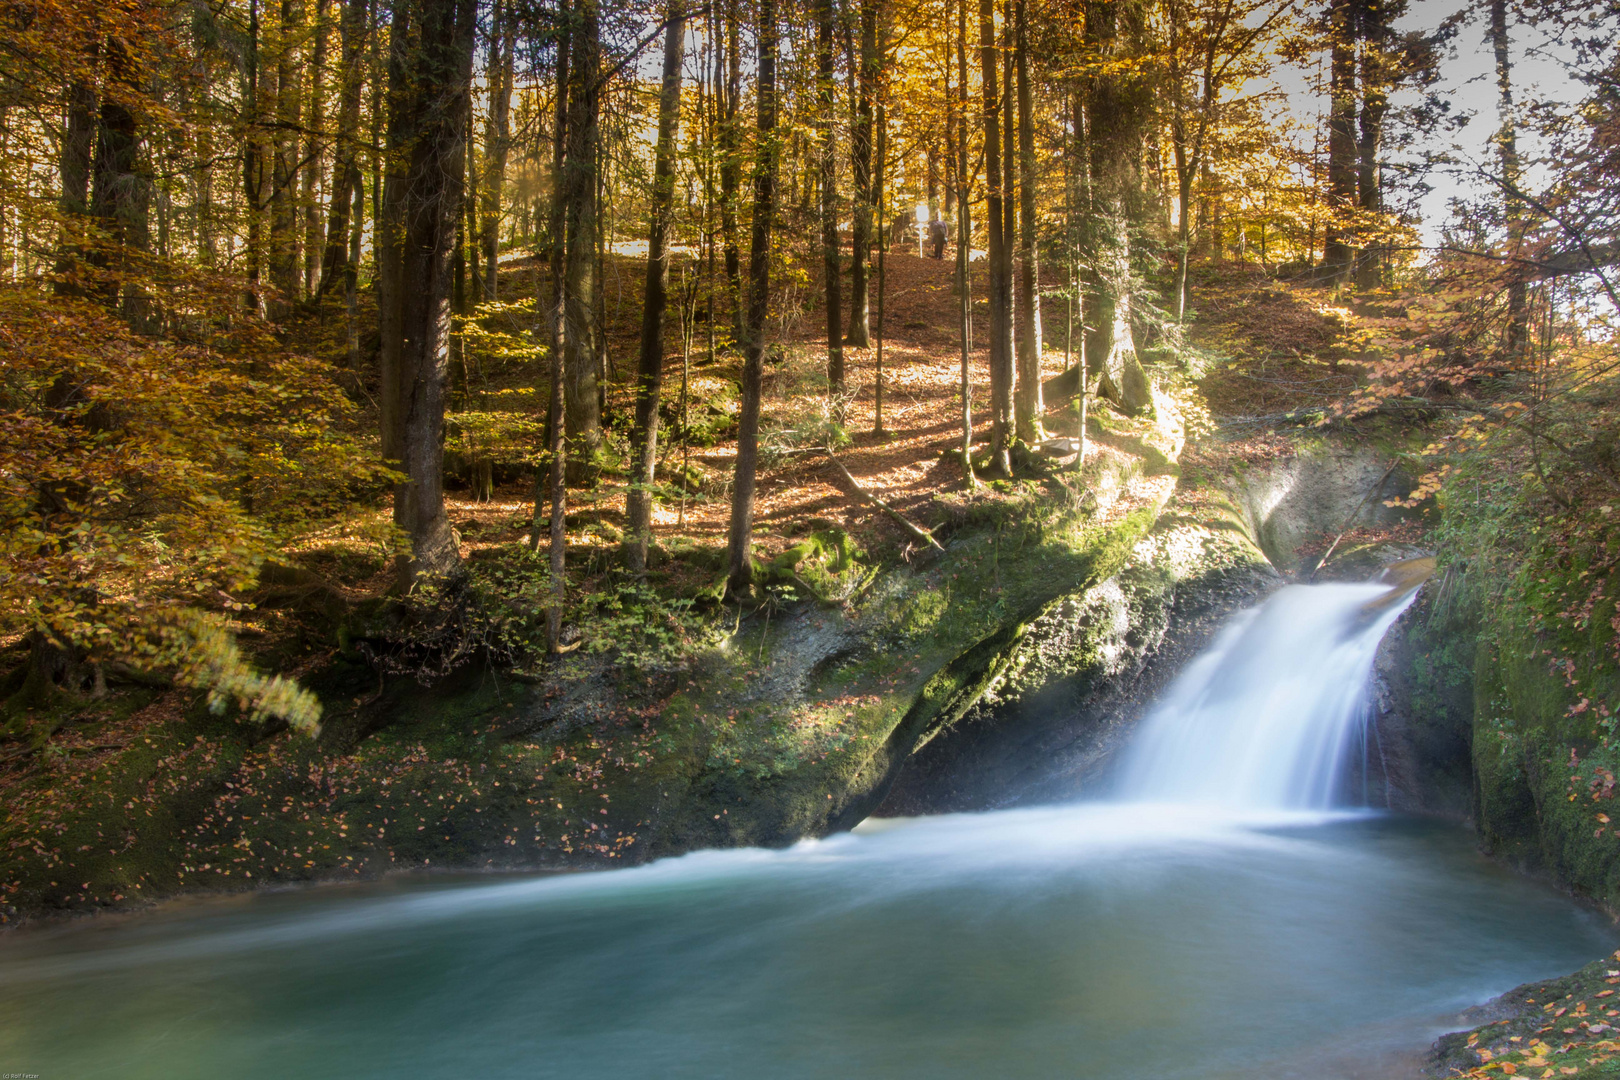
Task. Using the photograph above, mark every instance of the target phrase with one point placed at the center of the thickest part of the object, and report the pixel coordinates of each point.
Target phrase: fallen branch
(925, 535)
(1350, 522)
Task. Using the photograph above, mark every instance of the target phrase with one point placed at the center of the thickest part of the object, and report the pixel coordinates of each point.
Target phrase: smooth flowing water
(1262, 719)
(1200, 934)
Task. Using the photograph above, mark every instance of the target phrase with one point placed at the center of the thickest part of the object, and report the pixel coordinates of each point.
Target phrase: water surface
(1112, 941)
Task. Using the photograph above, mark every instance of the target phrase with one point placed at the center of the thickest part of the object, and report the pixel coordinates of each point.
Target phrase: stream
(1227, 913)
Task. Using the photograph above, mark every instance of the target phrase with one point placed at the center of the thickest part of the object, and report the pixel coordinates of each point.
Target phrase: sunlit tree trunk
(1028, 405)
(1118, 111)
(650, 373)
(964, 240)
(555, 476)
(1377, 76)
(1001, 359)
(740, 539)
(860, 319)
(826, 88)
(731, 164)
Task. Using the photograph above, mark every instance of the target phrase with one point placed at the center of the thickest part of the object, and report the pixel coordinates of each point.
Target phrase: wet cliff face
(1064, 694)
(1295, 507)
(1063, 697)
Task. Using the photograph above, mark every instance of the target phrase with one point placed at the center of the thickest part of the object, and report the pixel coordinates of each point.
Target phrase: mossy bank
(795, 726)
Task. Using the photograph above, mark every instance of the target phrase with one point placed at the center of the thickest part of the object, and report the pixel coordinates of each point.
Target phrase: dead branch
(925, 535)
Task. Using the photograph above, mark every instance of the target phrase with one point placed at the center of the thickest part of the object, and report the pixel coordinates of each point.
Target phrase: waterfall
(1265, 718)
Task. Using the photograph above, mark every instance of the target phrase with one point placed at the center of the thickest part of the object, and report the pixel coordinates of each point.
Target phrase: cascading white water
(1264, 718)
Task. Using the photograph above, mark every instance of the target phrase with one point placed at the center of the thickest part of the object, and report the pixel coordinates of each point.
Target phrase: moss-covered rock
(1063, 692)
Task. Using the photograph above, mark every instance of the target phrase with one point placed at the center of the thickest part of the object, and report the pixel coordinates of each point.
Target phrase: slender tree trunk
(1009, 197)
(430, 91)
(1079, 195)
(581, 351)
(1338, 258)
(351, 273)
(860, 318)
(557, 481)
(258, 158)
(826, 87)
(950, 120)
(346, 161)
(964, 240)
(497, 146)
(1375, 83)
(740, 545)
(314, 153)
(1515, 335)
(731, 166)
(284, 272)
(1001, 360)
(644, 439)
(1028, 402)
(879, 178)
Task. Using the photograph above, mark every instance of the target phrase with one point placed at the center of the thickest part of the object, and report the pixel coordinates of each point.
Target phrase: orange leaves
(134, 483)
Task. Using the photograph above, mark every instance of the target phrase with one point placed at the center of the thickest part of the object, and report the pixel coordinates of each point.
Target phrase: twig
(925, 535)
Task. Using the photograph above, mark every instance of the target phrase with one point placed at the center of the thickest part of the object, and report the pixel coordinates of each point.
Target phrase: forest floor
(911, 462)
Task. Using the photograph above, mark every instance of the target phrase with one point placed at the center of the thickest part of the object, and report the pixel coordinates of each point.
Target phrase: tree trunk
(731, 166)
(1515, 335)
(1001, 360)
(964, 240)
(257, 158)
(1375, 83)
(740, 578)
(430, 90)
(284, 274)
(120, 196)
(77, 147)
(1009, 193)
(860, 318)
(314, 153)
(826, 87)
(644, 439)
(1338, 257)
(880, 175)
(1027, 403)
(1118, 111)
(497, 146)
(581, 401)
(346, 163)
(556, 479)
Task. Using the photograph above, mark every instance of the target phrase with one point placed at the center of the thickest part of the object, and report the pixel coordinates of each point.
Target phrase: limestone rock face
(1066, 694)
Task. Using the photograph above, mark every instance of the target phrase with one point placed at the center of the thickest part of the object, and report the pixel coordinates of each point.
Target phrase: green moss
(1523, 636)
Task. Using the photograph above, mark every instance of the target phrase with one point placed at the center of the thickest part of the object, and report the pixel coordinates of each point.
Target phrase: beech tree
(740, 538)
(650, 372)
(430, 75)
